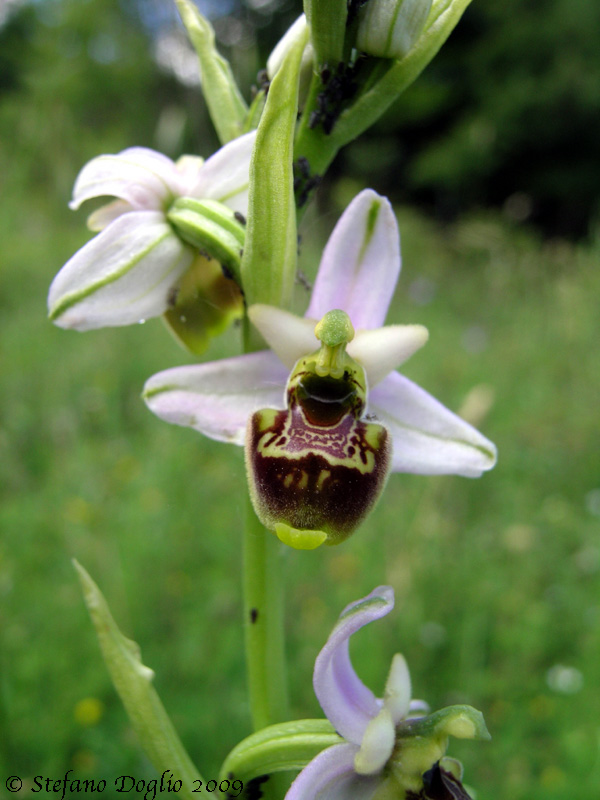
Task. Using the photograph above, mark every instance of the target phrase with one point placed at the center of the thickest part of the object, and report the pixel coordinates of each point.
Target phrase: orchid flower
(356, 279)
(392, 746)
(137, 264)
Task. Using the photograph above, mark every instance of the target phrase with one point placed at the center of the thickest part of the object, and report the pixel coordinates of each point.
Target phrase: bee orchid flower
(393, 747)
(134, 267)
(350, 417)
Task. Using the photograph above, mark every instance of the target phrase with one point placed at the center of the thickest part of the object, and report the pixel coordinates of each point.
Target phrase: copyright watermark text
(126, 784)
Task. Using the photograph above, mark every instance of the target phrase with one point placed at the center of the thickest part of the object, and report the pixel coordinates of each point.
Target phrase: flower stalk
(264, 624)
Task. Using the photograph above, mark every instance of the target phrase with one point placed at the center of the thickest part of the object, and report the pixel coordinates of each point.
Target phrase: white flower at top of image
(126, 272)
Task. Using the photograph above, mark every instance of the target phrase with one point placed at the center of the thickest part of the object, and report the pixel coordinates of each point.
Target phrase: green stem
(264, 635)
(264, 624)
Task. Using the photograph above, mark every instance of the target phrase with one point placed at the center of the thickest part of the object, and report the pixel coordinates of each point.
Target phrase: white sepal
(120, 277)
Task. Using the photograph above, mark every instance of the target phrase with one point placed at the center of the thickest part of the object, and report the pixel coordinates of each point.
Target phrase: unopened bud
(389, 28)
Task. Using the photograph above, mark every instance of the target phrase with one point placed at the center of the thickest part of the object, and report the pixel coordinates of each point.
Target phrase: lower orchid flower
(321, 440)
(394, 749)
(140, 265)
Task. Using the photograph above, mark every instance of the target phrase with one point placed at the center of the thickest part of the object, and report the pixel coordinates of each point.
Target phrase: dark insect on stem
(303, 281)
(339, 87)
(253, 615)
(304, 182)
(240, 217)
(262, 78)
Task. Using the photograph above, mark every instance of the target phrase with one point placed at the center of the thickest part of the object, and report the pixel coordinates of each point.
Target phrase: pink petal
(347, 702)
(428, 439)
(331, 776)
(217, 398)
(360, 264)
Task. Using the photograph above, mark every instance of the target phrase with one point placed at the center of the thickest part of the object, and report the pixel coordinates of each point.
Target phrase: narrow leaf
(133, 682)
(225, 103)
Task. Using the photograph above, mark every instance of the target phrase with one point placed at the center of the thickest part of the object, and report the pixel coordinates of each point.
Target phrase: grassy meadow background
(497, 580)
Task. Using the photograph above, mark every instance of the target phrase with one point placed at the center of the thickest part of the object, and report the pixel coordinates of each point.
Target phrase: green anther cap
(335, 329)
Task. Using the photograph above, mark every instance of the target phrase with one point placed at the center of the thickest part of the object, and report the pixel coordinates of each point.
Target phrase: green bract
(282, 747)
(225, 103)
(327, 21)
(269, 260)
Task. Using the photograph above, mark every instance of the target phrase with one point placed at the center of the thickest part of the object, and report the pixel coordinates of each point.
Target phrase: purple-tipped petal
(347, 702)
(331, 776)
(225, 175)
(218, 398)
(360, 264)
(120, 277)
(143, 178)
(428, 439)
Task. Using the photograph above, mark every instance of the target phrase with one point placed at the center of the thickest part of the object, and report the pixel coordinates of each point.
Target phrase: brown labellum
(316, 465)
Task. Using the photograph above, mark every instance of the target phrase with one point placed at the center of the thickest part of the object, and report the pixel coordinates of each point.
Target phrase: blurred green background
(492, 159)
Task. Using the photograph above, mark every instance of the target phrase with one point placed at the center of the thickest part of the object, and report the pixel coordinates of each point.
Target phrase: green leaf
(133, 682)
(278, 748)
(269, 260)
(224, 100)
